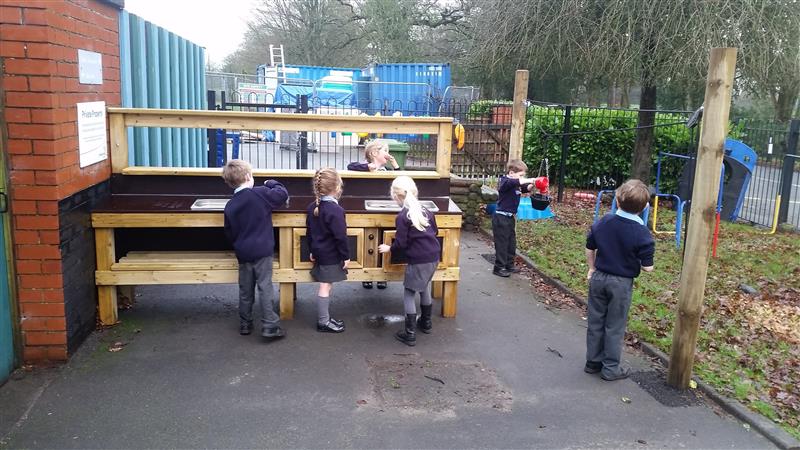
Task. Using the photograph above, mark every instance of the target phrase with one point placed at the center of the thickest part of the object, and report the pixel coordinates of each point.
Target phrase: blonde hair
(404, 188)
(236, 172)
(373, 148)
(326, 181)
(632, 196)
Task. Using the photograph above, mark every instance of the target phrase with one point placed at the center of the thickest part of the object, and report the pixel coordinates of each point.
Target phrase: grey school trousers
(252, 274)
(609, 301)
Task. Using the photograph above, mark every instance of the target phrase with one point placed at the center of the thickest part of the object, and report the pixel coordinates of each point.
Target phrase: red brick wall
(39, 42)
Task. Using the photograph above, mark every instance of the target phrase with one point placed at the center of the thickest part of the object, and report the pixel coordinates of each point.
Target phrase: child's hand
(383, 248)
(589, 275)
(311, 257)
(346, 262)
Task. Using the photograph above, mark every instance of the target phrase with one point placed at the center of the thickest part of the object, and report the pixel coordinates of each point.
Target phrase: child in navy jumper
(617, 247)
(377, 156)
(510, 188)
(327, 240)
(248, 226)
(416, 235)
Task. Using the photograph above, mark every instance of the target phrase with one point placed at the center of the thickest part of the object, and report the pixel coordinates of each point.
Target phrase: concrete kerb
(766, 427)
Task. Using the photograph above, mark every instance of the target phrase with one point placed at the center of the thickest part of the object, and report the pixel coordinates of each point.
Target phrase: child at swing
(510, 189)
(327, 241)
(416, 237)
(618, 247)
(377, 156)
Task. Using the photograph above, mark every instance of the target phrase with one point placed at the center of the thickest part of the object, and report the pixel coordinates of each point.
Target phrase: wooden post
(106, 256)
(717, 105)
(518, 115)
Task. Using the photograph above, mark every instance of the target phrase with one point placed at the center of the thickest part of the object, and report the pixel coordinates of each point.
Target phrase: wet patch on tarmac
(654, 383)
(411, 383)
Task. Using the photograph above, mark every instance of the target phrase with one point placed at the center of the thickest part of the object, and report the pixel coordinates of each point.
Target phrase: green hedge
(607, 154)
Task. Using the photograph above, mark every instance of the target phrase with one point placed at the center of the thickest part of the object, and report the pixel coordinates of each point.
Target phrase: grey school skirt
(328, 273)
(419, 275)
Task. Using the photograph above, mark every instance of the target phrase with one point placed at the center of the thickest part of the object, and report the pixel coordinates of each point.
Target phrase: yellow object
(363, 135)
(775, 217)
(459, 133)
(655, 216)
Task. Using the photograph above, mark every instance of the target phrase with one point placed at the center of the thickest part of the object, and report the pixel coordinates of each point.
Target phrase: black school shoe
(381, 285)
(245, 328)
(332, 326)
(593, 367)
(273, 333)
(501, 273)
(513, 269)
(366, 284)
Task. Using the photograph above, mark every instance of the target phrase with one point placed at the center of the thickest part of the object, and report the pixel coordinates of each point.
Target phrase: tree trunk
(624, 99)
(785, 103)
(642, 164)
(612, 95)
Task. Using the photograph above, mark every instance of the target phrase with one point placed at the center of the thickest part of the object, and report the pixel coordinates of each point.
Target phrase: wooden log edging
(764, 426)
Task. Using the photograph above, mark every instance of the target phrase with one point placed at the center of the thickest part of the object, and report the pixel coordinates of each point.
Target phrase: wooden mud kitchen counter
(164, 225)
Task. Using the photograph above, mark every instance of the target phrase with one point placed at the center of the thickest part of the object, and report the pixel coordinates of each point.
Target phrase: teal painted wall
(6, 332)
(162, 70)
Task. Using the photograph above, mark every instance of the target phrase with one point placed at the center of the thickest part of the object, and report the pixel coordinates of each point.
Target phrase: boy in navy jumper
(510, 188)
(617, 247)
(248, 226)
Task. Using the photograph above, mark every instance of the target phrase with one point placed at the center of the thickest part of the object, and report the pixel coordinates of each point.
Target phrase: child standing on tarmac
(618, 246)
(416, 236)
(509, 189)
(248, 226)
(327, 241)
(377, 155)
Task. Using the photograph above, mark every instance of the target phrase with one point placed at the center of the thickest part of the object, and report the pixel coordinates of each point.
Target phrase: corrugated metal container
(159, 69)
(413, 88)
(313, 73)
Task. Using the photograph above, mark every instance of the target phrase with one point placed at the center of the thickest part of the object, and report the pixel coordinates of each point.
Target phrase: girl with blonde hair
(416, 237)
(327, 242)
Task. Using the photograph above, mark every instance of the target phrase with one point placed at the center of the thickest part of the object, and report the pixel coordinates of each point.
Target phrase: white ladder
(276, 61)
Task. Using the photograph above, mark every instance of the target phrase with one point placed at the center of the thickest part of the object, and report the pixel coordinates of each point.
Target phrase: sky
(218, 26)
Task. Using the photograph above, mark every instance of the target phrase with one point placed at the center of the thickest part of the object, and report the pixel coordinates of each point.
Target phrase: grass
(748, 346)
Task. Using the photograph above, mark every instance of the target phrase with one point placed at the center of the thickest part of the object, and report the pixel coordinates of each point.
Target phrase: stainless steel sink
(392, 206)
(210, 204)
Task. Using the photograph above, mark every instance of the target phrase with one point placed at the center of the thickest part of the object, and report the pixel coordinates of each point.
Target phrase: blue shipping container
(413, 89)
(311, 73)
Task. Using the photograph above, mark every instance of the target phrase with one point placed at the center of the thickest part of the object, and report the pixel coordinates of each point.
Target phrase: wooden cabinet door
(397, 262)
(355, 241)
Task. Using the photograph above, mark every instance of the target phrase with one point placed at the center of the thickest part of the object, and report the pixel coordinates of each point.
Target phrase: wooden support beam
(518, 115)
(106, 295)
(119, 143)
(717, 105)
(285, 261)
(444, 147)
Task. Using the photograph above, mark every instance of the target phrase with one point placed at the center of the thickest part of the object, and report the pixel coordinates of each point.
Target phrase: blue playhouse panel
(745, 155)
(526, 211)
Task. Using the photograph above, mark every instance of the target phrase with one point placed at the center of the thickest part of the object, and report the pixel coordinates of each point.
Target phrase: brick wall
(39, 88)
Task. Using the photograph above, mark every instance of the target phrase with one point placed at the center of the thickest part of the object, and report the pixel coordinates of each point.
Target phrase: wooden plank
(437, 289)
(283, 276)
(444, 146)
(215, 219)
(518, 115)
(274, 173)
(287, 122)
(105, 256)
(285, 259)
(119, 143)
(450, 300)
(717, 103)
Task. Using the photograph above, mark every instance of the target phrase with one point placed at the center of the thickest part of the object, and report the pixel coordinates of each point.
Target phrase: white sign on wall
(90, 67)
(92, 141)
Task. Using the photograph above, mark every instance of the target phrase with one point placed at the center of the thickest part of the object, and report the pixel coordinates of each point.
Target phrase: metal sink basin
(209, 204)
(392, 206)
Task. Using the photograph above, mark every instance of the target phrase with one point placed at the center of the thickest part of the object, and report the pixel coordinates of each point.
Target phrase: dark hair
(633, 196)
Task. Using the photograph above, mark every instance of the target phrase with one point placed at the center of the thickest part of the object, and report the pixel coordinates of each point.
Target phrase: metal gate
(6, 323)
